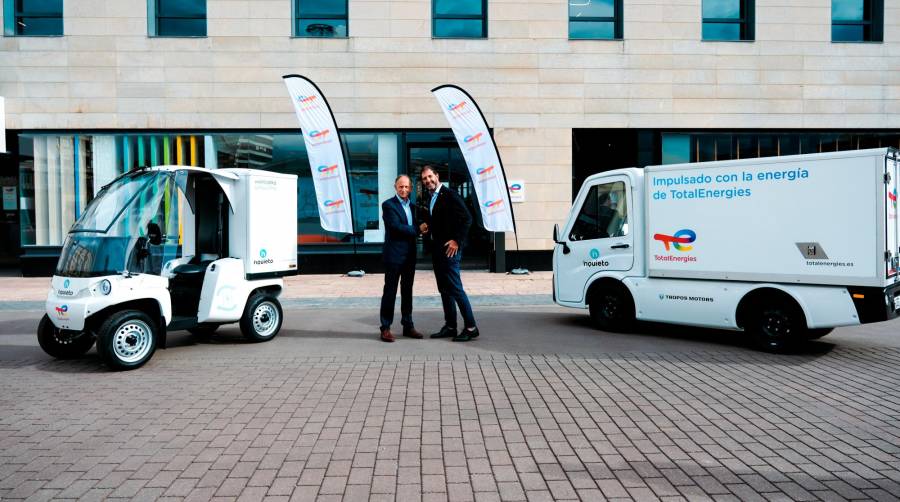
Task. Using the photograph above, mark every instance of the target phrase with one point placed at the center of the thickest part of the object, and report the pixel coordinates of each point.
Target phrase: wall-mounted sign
(516, 190)
(9, 198)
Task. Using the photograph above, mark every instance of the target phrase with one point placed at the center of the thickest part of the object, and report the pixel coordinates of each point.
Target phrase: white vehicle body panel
(225, 291)
(71, 301)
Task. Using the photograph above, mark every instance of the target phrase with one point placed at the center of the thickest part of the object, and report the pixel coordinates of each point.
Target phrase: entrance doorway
(447, 161)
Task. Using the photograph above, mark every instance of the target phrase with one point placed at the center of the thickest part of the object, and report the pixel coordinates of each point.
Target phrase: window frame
(295, 20)
(11, 23)
(153, 21)
(616, 19)
(746, 22)
(875, 23)
(483, 18)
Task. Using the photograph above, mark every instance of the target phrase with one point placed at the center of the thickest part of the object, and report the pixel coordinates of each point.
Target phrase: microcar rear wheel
(127, 340)
(63, 344)
(262, 318)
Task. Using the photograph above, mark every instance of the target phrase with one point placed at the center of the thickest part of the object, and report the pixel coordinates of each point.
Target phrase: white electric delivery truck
(169, 248)
(784, 248)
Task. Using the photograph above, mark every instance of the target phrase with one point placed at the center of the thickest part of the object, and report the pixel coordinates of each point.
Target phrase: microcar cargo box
(264, 223)
(812, 219)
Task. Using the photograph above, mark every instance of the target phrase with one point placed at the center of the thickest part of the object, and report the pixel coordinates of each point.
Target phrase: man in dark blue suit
(399, 255)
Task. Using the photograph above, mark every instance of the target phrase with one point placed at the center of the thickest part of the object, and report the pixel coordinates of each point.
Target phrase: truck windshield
(132, 225)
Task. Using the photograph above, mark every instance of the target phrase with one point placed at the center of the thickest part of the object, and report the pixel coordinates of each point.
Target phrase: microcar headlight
(105, 286)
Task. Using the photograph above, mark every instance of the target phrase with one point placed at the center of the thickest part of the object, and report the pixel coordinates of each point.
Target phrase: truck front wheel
(612, 308)
(63, 344)
(262, 318)
(777, 327)
(127, 339)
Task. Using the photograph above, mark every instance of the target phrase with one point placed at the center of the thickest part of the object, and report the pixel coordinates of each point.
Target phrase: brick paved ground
(723, 425)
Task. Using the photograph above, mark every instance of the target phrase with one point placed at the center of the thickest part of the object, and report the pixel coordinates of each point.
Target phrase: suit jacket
(399, 238)
(449, 220)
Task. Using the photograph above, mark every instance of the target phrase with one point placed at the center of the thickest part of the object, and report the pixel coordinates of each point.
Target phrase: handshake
(423, 228)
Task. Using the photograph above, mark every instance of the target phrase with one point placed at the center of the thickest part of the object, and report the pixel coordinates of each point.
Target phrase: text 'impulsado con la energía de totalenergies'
(675, 192)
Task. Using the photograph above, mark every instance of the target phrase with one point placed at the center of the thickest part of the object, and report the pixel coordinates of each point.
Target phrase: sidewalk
(307, 288)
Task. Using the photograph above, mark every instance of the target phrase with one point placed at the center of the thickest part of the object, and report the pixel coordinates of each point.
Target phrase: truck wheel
(60, 344)
(777, 327)
(127, 340)
(262, 318)
(612, 308)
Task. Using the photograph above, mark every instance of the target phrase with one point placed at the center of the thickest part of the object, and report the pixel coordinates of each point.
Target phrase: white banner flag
(481, 157)
(326, 158)
(2, 126)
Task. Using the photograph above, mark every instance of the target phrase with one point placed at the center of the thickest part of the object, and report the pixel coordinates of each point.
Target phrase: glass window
(604, 213)
(728, 19)
(857, 20)
(595, 19)
(34, 18)
(180, 18)
(459, 18)
(320, 18)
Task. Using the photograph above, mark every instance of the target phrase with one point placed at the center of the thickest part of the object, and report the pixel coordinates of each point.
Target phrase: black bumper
(875, 304)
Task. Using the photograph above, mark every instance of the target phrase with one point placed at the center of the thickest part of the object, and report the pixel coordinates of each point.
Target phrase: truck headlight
(105, 286)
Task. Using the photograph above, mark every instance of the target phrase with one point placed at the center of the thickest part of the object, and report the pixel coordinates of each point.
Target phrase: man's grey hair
(402, 176)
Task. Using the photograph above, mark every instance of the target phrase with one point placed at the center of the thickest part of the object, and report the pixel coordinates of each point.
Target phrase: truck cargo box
(809, 219)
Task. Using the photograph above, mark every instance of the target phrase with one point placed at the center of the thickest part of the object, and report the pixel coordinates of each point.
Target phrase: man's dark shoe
(386, 335)
(412, 333)
(445, 332)
(466, 335)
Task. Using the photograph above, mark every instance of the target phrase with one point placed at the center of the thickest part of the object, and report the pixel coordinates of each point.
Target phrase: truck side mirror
(557, 241)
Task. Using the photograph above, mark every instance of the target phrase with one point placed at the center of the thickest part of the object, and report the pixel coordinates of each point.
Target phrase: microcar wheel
(128, 340)
(63, 344)
(262, 318)
(611, 308)
(778, 327)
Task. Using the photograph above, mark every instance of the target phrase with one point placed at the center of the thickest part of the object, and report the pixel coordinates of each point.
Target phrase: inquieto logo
(262, 258)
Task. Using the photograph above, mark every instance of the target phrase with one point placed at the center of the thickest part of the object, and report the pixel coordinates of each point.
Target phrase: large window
(178, 18)
(728, 19)
(30, 18)
(595, 19)
(857, 20)
(459, 18)
(60, 174)
(320, 18)
(604, 213)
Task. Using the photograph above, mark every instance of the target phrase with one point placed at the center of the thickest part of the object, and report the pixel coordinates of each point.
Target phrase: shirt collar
(438, 189)
(403, 202)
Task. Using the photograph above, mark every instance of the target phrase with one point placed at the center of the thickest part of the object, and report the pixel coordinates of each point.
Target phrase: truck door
(892, 251)
(599, 237)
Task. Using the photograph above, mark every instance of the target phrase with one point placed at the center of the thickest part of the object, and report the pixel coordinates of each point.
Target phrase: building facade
(569, 88)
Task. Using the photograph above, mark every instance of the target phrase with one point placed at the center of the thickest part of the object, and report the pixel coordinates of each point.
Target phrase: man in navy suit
(446, 226)
(399, 255)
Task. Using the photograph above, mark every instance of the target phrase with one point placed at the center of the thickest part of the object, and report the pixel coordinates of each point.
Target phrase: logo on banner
(327, 172)
(459, 109)
(494, 206)
(333, 206)
(308, 102)
(319, 137)
(678, 240)
(473, 141)
(485, 173)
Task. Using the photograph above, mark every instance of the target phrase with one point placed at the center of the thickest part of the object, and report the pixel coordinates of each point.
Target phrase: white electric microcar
(170, 248)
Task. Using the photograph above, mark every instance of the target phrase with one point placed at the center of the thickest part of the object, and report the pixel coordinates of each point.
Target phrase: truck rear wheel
(612, 308)
(262, 318)
(777, 327)
(127, 340)
(62, 344)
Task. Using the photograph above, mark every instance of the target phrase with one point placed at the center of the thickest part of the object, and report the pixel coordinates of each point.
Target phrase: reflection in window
(459, 18)
(320, 18)
(728, 19)
(857, 20)
(595, 19)
(34, 18)
(604, 213)
(180, 18)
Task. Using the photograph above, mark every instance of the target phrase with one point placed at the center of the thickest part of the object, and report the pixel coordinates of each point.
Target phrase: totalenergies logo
(456, 107)
(893, 196)
(62, 311)
(678, 240)
(333, 203)
(306, 100)
(326, 170)
(515, 188)
(492, 204)
(319, 134)
(484, 171)
(473, 138)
